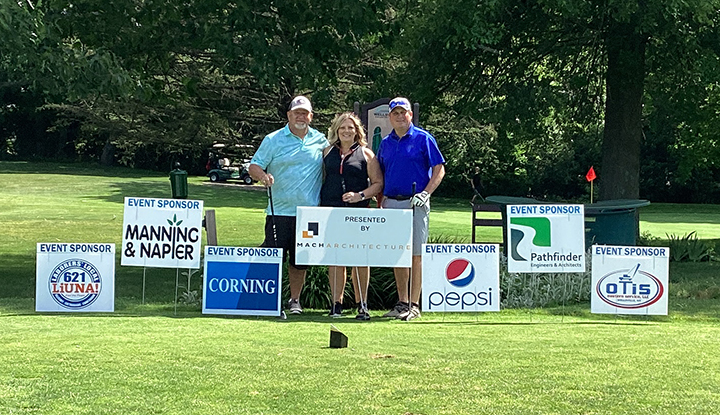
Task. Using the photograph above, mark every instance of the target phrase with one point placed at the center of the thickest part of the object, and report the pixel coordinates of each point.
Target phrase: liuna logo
(539, 226)
(460, 272)
(312, 231)
(630, 288)
(75, 284)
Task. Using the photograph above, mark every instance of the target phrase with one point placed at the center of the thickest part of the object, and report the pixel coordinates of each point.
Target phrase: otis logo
(75, 284)
(541, 228)
(630, 288)
(312, 231)
(460, 272)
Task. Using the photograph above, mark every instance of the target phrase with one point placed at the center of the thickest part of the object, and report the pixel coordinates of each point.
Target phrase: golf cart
(220, 168)
(224, 171)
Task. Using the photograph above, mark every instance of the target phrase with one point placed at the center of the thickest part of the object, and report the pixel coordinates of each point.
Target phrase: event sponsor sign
(354, 237)
(461, 277)
(75, 277)
(629, 280)
(242, 281)
(162, 233)
(546, 238)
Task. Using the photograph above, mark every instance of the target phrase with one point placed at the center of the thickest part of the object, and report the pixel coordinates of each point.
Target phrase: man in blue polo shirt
(290, 161)
(409, 155)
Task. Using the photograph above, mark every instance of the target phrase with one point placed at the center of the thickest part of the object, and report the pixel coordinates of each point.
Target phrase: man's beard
(300, 126)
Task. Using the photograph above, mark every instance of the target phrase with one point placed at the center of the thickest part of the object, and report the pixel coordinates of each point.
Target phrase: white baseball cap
(399, 102)
(300, 102)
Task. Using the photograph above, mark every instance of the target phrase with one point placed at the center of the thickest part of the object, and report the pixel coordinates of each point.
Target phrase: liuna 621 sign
(162, 233)
(75, 277)
(242, 281)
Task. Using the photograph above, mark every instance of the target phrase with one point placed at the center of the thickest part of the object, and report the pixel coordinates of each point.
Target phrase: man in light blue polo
(290, 161)
(409, 155)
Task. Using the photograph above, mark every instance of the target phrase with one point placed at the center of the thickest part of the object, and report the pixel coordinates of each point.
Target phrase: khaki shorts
(421, 221)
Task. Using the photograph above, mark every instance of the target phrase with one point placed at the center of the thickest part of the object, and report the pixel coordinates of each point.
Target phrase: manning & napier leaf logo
(312, 231)
(535, 231)
(460, 272)
(630, 288)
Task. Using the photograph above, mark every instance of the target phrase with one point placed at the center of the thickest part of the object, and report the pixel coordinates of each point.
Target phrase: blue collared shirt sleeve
(433, 152)
(264, 154)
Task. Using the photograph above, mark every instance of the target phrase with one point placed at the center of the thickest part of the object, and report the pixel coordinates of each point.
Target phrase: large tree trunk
(620, 171)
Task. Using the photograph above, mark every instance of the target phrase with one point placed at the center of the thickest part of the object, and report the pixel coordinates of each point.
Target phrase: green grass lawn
(143, 359)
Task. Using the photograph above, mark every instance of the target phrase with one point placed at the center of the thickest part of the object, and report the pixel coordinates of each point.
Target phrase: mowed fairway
(145, 359)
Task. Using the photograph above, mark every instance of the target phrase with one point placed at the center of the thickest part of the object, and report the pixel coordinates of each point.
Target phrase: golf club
(272, 220)
(412, 206)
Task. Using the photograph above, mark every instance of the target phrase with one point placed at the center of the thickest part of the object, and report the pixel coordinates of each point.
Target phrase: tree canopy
(533, 91)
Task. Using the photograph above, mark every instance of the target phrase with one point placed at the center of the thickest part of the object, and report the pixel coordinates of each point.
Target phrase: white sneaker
(397, 310)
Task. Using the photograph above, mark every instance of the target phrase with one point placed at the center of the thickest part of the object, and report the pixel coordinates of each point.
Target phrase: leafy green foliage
(689, 248)
(543, 290)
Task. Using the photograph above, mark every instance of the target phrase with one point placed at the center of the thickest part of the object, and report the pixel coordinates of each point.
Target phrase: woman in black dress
(352, 179)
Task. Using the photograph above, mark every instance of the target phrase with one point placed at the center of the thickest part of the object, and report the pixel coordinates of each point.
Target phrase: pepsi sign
(460, 277)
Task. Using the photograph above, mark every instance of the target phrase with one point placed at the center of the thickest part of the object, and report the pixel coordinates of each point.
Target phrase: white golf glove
(421, 199)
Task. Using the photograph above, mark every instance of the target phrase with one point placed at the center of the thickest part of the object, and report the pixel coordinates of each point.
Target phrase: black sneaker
(336, 310)
(363, 313)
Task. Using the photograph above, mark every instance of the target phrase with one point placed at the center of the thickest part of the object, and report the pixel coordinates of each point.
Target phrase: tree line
(533, 92)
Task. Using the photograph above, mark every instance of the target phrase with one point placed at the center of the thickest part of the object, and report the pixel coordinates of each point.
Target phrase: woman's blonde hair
(333, 137)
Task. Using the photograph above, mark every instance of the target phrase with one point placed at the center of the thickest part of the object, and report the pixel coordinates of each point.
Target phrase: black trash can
(178, 183)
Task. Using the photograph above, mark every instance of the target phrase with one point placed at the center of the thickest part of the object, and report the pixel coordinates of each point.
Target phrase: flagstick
(591, 190)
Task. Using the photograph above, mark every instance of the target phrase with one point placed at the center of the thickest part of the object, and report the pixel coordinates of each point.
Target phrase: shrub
(688, 248)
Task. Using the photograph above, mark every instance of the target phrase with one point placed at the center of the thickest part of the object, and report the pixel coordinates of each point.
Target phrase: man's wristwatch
(362, 196)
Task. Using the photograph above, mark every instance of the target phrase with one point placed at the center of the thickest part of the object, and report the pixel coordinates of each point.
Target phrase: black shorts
(285, 234)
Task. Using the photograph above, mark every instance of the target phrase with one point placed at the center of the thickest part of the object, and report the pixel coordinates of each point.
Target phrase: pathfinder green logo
(541, 228)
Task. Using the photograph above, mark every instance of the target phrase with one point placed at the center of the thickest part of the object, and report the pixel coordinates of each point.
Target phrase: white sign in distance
(460, 277)
(242, 281)
(75, 277)
(162, 233)
(546, 238)
(353, 237)
(629, 280)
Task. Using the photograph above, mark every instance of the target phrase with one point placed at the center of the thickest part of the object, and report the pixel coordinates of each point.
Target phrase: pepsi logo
(460, 272)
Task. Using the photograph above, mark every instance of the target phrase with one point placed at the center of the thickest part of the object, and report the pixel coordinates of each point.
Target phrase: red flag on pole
(590, 176)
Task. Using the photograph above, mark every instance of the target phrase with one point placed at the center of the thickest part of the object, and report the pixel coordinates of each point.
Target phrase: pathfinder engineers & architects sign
(75, 277)
(353, 237)
(629, 280)
(242, 281)
(546, 238)
(162, 233)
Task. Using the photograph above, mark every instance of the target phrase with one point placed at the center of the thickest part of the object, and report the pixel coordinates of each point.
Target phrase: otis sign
(546, 238)
(461, 277)
(629, 280)
(75, 277)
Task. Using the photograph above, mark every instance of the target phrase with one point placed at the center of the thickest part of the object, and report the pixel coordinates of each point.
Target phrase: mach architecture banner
(546, 238)
(354, 237)
(461, 277)
(75, 277)
(629, 280)
(162, 233)
(242, 281)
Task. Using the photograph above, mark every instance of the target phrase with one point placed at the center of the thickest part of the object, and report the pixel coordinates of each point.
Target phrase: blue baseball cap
(400, 102)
